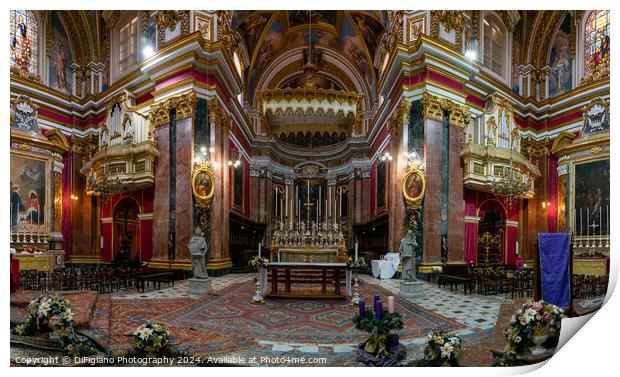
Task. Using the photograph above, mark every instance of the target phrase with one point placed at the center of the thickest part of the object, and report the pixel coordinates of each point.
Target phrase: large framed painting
(591, 198)
(29, 191)
(203, 184)
(381, 185)
(238, 184)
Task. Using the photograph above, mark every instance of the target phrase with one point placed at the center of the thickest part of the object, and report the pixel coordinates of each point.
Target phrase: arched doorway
(491, 233)
(126, 232)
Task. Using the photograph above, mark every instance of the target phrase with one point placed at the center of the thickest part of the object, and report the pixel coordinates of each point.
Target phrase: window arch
(495, 45)
(24, 40)
(596, 40)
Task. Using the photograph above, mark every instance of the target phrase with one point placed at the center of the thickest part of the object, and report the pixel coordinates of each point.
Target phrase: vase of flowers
(51, 315)
(259, 264)
(150, 338)
(442, 349)
(382, 348)
(530, 327)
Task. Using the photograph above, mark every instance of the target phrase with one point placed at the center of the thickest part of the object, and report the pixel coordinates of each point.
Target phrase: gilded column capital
(218, 115)
(459, 115)
(431, 107)
(399, 117)
(185, 105)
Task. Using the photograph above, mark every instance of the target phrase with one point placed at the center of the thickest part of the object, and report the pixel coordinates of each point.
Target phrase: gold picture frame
(203, 184)
(414, 186)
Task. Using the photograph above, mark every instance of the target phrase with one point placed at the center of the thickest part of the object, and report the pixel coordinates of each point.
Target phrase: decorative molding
(218, 115)
(399, 117)
(451, 20)
(169, 19)
(433, 108)
(534, 149)
(185, 105)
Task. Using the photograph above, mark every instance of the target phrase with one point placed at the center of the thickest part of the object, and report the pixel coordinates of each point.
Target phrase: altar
(328, 273)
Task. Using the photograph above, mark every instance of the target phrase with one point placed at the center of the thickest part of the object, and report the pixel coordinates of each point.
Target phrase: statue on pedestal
(407, 254)
(198, 248)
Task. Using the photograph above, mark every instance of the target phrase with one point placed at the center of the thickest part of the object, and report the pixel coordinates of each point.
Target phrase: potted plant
(442, 349)
(382, 348)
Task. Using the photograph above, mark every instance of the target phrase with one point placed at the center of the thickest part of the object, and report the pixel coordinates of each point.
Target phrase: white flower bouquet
(151, 337)
(442, 347)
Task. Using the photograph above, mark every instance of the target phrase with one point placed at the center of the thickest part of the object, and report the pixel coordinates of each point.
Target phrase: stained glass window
(596, 46)
(24, 28)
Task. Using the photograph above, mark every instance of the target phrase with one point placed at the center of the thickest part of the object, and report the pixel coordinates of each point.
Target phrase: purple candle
(377, 298)
(362, 307)
(378, 309)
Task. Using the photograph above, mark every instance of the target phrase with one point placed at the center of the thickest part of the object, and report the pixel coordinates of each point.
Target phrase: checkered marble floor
(477, 312)
(180, 288)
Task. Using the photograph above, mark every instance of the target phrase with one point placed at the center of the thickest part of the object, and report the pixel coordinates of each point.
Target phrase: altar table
(286, 267)
(385, 268)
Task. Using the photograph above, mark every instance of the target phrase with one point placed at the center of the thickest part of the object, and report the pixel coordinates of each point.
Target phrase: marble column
(161, 201)
(432, 202)
(183, 195)
(456, 206)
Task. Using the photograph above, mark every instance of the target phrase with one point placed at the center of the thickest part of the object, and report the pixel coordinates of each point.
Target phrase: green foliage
(53, 313)
(379, 330)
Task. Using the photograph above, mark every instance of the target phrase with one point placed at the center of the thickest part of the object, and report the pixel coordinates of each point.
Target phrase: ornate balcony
(492, 155)
(126, 152)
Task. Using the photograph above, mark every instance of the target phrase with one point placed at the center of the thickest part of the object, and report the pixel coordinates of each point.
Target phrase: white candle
(285, 200)
(318, 205)
(259, 248)
(356, 251)
(517, 249)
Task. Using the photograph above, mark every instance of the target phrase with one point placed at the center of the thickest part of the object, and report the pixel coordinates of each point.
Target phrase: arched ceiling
(268, 35)
(81, 28)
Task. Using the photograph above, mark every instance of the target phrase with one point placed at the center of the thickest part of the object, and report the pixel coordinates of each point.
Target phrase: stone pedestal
(198, 286)
(411, 289)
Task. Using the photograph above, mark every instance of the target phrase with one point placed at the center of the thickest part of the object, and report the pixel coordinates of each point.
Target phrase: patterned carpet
(82, 304)
(284, 320)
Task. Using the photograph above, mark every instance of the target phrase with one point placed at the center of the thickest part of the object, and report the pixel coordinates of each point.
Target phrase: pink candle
(390, 304)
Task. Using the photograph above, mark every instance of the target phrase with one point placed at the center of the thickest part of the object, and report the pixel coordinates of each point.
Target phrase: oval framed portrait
(203, 184)
(414, 186)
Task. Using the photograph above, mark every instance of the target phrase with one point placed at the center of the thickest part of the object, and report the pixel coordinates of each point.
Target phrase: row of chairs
(102, 279)
(494, 281)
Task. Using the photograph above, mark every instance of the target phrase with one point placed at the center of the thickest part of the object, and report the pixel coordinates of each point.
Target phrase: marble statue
(198, 248)
(407, 254)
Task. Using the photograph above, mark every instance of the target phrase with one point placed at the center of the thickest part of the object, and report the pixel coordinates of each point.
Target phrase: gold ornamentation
(399, 117)
(185, 105)
(431, 107)
(417, 26)
(218, 115)
(534, 149)
(203, 184)
(169, 19)
(205, 26)
(451, 20)
(414, 187)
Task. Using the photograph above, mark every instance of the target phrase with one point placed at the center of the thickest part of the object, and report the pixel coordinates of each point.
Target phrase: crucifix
(594, 226)
(308, 205)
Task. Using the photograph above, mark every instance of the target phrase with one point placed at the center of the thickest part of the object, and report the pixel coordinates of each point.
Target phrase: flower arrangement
(151, 337)
(357, 264)
(382, 348)
(53, 312)
(442, 347)
(258, 262)
(534, 319)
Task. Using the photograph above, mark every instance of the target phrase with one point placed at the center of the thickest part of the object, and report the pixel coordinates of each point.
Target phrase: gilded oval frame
(203, 199)
(414, 202)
